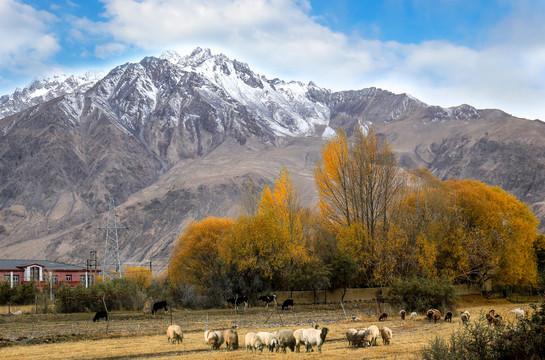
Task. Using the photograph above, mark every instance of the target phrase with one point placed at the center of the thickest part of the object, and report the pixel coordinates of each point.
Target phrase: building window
(15, 279)
(7, 278)
(34, 273)
(55, 279)
(68, 277)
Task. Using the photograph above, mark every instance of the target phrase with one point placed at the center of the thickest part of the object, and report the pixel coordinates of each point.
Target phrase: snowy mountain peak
(44, 89)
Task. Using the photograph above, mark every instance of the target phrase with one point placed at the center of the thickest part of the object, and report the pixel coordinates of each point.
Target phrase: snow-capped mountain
(41, 90)
(173, 138)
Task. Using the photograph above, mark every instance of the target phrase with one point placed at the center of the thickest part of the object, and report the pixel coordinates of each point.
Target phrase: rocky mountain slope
(173, 138)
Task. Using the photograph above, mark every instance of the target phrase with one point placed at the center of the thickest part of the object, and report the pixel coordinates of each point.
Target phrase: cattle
(287, 303)
(267, 299)
(237, 300)
(100, 315)
(159, 305)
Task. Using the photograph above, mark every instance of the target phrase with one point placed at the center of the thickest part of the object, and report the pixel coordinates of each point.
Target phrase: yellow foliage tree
(141, 275)
(499, 231)
(270, 243)
(195, 258)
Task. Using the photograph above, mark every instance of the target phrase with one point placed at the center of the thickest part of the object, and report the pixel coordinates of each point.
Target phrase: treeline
(374, 223)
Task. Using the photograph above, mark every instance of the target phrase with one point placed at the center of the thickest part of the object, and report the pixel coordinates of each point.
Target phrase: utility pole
(111, 266)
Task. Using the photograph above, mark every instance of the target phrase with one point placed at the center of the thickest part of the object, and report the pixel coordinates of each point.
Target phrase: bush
(421, 294)
(518, 341)
(119, 294)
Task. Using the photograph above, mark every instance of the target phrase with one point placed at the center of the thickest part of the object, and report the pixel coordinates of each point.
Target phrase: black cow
(237, 300)
(267, 299)
(159, 305)
(100, 315)
(287, 303)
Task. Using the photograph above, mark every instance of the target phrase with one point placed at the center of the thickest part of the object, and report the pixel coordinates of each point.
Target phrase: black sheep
(287, 303)
(100, 315)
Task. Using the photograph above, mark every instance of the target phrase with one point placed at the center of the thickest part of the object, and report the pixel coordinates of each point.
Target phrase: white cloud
(110, 49)
(26, 40)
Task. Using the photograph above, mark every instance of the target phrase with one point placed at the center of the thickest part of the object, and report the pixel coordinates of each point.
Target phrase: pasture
(135, 335)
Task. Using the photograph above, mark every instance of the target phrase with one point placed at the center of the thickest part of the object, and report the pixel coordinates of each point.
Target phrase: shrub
(421, 294)
(119, 294)
(518, 341)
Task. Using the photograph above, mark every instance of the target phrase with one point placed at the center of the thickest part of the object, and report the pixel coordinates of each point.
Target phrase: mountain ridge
(173, 138)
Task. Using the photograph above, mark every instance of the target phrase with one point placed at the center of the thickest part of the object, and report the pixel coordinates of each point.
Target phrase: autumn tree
(140, 275)
(195, 258)
(357, 182)
(269, 244)
(498, 234)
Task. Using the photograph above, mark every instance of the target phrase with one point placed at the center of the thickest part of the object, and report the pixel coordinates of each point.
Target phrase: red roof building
(43, 272)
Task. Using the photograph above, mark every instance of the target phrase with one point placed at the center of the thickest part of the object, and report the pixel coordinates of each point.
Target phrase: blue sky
(490, 54)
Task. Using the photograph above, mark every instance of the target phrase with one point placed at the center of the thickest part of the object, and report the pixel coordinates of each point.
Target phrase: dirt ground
(133, 335)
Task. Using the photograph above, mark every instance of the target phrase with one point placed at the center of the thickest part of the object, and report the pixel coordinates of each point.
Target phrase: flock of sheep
(314, 337)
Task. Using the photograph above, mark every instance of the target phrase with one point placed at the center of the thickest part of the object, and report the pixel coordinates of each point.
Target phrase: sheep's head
(324, 333)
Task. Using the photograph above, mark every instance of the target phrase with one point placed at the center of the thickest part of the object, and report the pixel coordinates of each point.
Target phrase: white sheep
(360, 336)
(464, 316)
(413, 316)
(371, 335)
(285, 339)
(213, 338)
(310, 337)
(174, 333)
(252, 342)
(351, 336)
(386, 335)
(519, 313)
(268, 339)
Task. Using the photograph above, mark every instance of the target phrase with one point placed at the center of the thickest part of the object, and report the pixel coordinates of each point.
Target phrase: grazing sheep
(402, 313)
(497, 320)
(267, 299)
(287, 303)
(268, 339)
(360, 337)
(413, 316)
(159, 305)
(448, 317)
(252, 342)
(298, 335)
(351, 336)
(231, 339)
(371, 335)
(490, 316)
(386, 335)
(433, 314)
(313, 337)
(519, 313)
(465, 317)
(383, 316)
(174, 334)
(285, 339)
(213, 338)
(100, 315)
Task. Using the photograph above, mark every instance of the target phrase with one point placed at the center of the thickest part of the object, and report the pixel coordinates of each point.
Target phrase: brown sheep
(433, 314)
(174, 334)
(402, 313)
(231, 339)
(383, 316)
(386, 335)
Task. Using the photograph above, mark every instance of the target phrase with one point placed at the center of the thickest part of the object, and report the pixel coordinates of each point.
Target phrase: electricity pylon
(111, 266)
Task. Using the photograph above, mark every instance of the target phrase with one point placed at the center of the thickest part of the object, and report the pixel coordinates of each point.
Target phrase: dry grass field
(131, 335)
